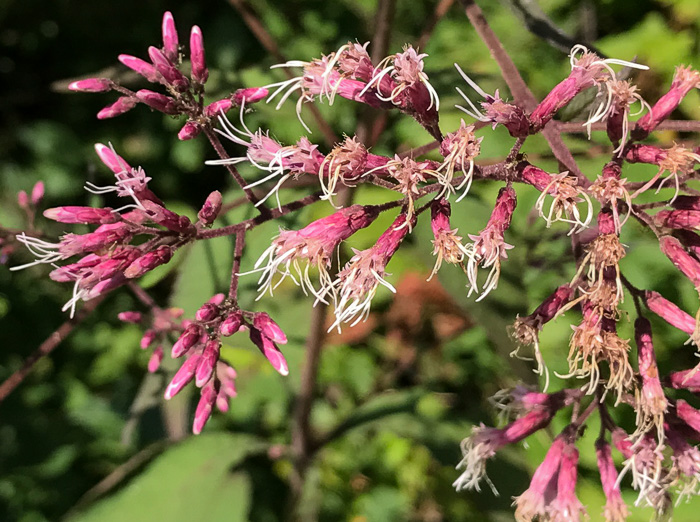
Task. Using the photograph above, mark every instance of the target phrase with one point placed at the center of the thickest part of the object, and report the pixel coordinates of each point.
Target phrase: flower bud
(85, 215)
(187, 340)
(250, 95)
(270, 351)
(157, 101)
(204, 407)
(210, 356)
(207, 312)
(119, 107)
(37, 193)
(149, 261)
(91, 85)
(170, 41)
(211, 208)
(155, 360)
(130, 317)
(269, 328)
(148, 337)
(218, 107)
(189, 131)
(231, 324)
(23, 199)
(183, 376)
(200, 73)
(142, 67)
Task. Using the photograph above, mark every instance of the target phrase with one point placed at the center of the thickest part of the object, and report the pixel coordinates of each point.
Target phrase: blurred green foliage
(73, 442)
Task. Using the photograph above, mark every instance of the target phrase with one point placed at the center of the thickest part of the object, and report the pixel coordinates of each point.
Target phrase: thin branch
(302, 434)
(236, 269)
(440, 11)
(48, 346)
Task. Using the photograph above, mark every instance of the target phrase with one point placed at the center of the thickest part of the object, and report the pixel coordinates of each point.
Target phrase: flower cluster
(142, 234)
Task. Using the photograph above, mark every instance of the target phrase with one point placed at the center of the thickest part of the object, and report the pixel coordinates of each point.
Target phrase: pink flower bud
(148, 337)
(269, 328)
(104, 236)
(227, 376)
(567, 506)
(688, 414)
(652, 401)
(231, 324)
(681, 259)
(119, 107)
(683, 219)
(85, 215)
(37, 193)
(157, 101)
(183, 376)
(91, 85)
(167, 70)
(170, 42)
(155, 360)
(23, 199)
(111, 159)
(130, 317)
(217, 299)
(615, 508)
(189, 131)
(669, 312)
(651, 154)
(70, 272)
(187, 340)
(207, 312)
(686, 379)
(149, 261)
(535, 501)
(270, 351)
(142, 67)
(200, 74)
(204, 407)
(210, 357)
(249, 95)
(211, 208)
(167, 218)
(218, 107)
(684, 80)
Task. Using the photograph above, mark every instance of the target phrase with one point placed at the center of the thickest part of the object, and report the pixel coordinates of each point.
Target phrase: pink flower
(495, 110)
(651, 401)
(313, 246)
(615, 507)
(489, 245)
(357, 283)
(485, 442)
(586, 71)
(684, 80)
(537, 499)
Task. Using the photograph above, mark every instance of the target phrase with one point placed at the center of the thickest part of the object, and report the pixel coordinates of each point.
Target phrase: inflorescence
(659, 453)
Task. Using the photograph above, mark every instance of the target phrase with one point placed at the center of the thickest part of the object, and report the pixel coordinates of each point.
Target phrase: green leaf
(191, 481)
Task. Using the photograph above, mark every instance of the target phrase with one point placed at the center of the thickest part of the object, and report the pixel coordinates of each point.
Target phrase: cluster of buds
(128, 242)
(200, 346)
(184, 93)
